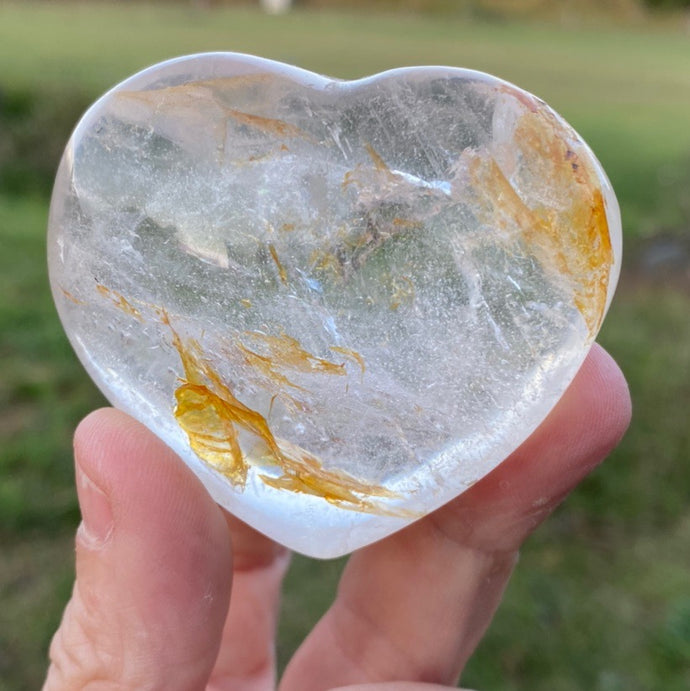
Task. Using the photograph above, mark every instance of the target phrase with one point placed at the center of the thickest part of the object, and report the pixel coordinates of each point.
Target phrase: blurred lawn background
(601, 598)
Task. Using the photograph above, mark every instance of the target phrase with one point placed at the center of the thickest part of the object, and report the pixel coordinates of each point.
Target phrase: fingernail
(96, 513)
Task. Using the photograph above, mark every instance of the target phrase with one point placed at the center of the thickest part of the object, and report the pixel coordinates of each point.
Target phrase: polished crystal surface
(341, 303)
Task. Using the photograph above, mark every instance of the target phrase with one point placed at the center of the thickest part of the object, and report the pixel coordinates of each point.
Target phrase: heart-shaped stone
(341, 303)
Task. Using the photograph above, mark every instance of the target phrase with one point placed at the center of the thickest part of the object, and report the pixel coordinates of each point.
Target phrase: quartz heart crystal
(341, 303)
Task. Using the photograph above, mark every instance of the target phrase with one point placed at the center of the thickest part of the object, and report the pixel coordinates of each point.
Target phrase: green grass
(626, 89)
(43, 392)
(600, 599)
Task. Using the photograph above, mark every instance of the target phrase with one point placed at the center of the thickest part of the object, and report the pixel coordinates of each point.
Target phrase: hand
(157, 559)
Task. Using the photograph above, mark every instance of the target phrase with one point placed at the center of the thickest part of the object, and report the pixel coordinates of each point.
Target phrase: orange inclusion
(575, 239)
(120, 301)
(275, 357)
(403, 290)
(212, 91)
(303, 473)
(378, 162)
(189, 91)
(326, 262)
(278, 128)
(580, 239)
(406, 223)
(352, 354)
(211, 416)
(380, 167)
(265, 366)
(286, 352)
(71, 297)
(207, 421)
(281, 269)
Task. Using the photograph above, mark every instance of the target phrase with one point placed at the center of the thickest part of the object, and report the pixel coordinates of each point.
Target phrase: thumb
(153, 566)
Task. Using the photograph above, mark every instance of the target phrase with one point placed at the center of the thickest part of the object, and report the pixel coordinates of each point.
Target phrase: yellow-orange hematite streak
(281, 269)
(580, 238)
(119, 301)
(211, 416)
(305, 474)
(207, 420)
(209, 413)
(285, 352)
(575, 240)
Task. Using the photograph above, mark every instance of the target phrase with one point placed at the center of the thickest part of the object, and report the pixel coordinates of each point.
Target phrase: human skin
(172, 593)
